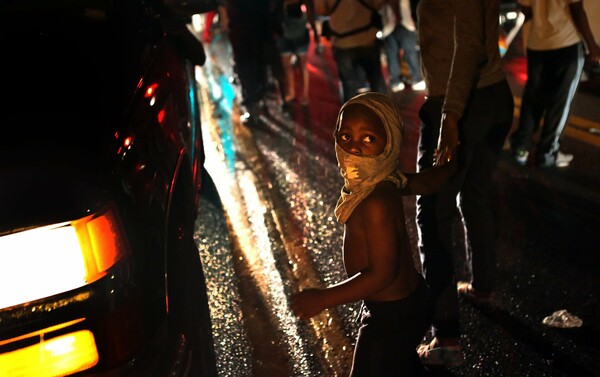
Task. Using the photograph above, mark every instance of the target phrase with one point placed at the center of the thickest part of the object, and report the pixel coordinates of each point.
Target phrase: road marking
(582, 129)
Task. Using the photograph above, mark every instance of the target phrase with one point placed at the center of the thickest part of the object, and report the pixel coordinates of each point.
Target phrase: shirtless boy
(377, 253)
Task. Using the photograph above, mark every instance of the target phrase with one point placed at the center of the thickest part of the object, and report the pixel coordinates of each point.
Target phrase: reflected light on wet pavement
(272, 246)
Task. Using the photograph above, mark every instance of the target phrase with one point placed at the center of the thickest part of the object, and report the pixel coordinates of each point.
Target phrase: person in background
(209, 23)
(401, 38)
(354, 42)
(377, 253)
(256, 58)
(469, 102)
(293, 40)
(558, 36)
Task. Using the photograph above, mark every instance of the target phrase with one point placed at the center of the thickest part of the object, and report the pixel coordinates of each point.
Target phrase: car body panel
(101, 114)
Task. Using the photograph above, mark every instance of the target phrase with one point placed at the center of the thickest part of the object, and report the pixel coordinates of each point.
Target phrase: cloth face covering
(362, 173)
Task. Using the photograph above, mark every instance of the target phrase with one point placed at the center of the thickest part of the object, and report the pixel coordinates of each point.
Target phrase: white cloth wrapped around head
(362, 173)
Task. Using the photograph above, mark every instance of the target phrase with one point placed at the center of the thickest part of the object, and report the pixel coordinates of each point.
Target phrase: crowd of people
(410, 318)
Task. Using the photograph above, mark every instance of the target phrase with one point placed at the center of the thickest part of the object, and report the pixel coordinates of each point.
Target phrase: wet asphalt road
(266, 229)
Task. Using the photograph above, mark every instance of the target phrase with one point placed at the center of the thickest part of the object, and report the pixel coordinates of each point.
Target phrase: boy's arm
(378, 223)
(430, 180)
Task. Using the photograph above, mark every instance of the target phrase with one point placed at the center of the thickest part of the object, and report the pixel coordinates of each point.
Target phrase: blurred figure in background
(353, 28)
(256, 58)
(402, 40)
(293, 40)
(220, 14)
(555, 59)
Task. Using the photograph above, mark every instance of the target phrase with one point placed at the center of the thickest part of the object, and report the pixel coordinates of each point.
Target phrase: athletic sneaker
(561, 160)
(398, 87)
(521, 157)
(419, 85)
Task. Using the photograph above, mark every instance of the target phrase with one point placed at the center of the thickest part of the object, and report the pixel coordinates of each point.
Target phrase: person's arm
(311, 16)
(208, 22)
(469, 54)
(378, 4)
(223, 19)
(430, 180)
(527, 12)
(377, 219)
(448, 140)
(580, 20)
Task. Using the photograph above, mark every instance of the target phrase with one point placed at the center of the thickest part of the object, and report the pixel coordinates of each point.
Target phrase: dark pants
(254, 48)
(552, 80)
(389, 334)
(356, 64)
(402, 38)
(483, 128)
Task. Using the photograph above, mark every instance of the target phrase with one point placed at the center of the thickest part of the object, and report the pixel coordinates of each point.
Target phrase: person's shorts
(293, 46)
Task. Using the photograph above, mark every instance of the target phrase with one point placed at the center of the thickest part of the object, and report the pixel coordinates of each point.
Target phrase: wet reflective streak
(278, 194)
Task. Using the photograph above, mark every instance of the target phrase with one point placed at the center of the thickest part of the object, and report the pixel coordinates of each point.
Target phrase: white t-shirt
(389, 19)
(407, 20)
(552, 26)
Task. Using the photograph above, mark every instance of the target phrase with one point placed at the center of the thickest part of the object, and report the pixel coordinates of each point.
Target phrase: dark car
(101, 164)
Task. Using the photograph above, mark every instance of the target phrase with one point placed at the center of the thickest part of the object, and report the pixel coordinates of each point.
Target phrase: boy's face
(361, 132)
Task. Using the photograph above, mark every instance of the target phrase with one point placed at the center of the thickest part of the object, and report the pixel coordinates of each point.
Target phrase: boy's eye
(369, 139)
(344, 137)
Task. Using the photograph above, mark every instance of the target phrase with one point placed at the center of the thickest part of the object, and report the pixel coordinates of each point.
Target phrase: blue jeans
(483, 128)
(356, 64)
(402, 38)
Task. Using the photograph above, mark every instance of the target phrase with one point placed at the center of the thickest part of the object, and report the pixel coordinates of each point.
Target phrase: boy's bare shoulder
(383, 198)
(382, 206)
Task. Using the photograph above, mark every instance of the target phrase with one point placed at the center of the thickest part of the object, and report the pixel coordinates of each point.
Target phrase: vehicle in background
(101, 163)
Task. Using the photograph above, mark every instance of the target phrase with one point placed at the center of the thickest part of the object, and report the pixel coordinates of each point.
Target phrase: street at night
(268, 230)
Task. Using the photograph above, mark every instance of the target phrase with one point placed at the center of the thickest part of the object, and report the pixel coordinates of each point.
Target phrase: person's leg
(532, 105)
(290, 84)
(408, 42)
(487, 122)
(564, 69)
(434, 226)
(244, 49)
(347, 72)
(370, 60)
(305, 78)
(276, 81)
(390, 46)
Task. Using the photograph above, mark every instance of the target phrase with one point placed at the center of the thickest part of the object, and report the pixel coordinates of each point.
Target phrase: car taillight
(49, 260)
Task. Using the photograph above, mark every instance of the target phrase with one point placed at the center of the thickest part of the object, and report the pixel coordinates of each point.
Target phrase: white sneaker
(398, 87)
(563, 159)
(419, 85)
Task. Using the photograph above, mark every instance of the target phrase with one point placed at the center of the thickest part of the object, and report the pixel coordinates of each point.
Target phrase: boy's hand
(307, 303)
(448, 140)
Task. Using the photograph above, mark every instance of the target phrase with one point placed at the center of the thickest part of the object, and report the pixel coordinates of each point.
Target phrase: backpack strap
(335, 5)
(366, 5)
